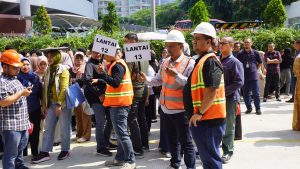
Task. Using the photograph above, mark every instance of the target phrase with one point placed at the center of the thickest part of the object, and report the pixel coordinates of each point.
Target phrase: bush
(282, 37)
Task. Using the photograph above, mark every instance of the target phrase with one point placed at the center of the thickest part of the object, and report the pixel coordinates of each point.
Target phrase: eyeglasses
(223, 43)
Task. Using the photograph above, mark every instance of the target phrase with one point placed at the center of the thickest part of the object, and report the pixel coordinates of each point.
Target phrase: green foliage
(40, 42)
(233, 10)
(282, 37)
(166, 15)
(199, 13)
(274, 14)
(42, 23)
(111, 20)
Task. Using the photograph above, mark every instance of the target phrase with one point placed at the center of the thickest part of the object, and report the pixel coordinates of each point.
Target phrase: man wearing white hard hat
(204, 98)
(172, 76)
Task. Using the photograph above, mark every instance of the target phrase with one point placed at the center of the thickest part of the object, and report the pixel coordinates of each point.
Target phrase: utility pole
(25, 10)
(153, 16)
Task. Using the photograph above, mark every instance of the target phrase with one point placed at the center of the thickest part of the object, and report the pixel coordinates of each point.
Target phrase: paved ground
(268, 143)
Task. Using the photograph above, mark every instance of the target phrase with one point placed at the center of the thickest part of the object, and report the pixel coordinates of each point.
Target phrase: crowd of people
(199, 98)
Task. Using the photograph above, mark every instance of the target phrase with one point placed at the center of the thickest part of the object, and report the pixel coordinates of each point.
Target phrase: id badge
(247, 65)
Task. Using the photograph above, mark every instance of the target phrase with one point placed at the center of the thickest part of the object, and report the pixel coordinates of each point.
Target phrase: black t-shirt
(212, 73)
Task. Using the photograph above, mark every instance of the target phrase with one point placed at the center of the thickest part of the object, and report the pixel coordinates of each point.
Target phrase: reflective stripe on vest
(123, 94)
(218, 108)
(172, 92)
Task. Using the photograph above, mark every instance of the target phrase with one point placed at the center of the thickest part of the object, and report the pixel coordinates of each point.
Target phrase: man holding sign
(172, 76)
(118, 98)
(137, 53)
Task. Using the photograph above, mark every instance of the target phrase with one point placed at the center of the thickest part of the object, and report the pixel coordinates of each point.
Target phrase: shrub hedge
(282, 37)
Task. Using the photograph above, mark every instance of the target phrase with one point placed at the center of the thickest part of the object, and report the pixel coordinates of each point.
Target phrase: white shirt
(180, 79)
(150, 74)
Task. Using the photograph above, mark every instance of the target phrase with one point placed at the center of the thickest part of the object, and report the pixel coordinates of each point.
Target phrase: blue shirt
(250, 61)
(233, 77)
(15, 116)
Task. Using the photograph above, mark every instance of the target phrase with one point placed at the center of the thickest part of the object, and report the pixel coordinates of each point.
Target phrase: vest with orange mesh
(218, 108)
(123, 94)
(172, 92)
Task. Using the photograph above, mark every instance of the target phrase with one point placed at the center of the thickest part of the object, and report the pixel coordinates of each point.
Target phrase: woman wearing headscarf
(42, 65)
(83, 120)
(56, 81)
(31, 80)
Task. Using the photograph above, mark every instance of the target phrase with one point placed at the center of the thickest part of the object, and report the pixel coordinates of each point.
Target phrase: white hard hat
(206, 29)
(175, 36)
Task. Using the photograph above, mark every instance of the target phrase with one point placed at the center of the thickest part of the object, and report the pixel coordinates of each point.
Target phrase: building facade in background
(293, 13)
(162, 2)
(127, 7)
(12, 12)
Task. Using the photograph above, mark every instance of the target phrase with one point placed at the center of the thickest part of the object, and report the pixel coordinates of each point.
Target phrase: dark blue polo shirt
(250, 61)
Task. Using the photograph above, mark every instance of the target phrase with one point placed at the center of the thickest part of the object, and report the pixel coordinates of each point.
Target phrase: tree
(42, 23)
(199, 13)
(111, 20)
(166, 15)
(275, 14)
(233, 10)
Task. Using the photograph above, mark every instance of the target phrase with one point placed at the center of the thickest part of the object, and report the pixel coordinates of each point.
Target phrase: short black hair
(132, 36)
(206, 37)
(7, 47)
(81, 50)
(68, 45)
(271, 43)
(39, 53)
(91, 46)
(24, 53)
(33, 51)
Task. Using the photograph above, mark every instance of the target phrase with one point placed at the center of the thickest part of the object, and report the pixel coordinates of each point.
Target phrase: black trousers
(138, 125)
(150, 110)
(272, 79)
(238, 128)
(35, 118)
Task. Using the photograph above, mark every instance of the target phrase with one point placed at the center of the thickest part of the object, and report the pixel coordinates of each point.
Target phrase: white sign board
(137, 52)
(105, 45)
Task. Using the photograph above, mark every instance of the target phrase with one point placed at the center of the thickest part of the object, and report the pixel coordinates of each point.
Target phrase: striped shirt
(14, 117)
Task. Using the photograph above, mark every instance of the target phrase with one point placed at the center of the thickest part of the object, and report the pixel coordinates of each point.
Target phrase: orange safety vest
(123, 94)
(172, 92)
(218, 108)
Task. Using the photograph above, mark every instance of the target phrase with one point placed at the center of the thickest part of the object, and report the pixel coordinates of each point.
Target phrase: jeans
(118, 116)
(179, 136)
(293, 85)
(285, 79)
(272, 79)
(108, 126)
(251, 85)
(138, 125)
(99, 112)
(65, 129)
(227, 144)
(14, 143)
(163, 138)
(208, 138)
